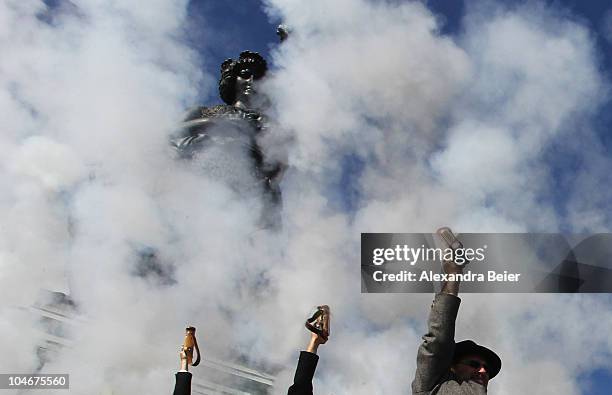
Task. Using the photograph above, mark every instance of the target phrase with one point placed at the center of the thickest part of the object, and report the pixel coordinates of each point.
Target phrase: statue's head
(238, 75)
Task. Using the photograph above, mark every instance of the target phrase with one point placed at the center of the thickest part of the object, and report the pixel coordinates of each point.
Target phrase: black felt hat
(467, 347)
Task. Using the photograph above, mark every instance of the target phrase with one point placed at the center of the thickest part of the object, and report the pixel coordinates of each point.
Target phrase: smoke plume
(387, 126)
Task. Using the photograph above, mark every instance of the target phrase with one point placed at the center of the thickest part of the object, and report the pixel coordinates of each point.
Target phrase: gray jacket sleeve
(436, 352)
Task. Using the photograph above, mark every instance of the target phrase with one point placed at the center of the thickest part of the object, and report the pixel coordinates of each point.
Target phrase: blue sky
(242, 24)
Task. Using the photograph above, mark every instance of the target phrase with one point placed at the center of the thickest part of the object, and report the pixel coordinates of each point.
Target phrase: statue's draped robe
(221, 142)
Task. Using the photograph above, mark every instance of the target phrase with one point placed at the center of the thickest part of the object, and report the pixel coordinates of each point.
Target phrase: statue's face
(245, 85)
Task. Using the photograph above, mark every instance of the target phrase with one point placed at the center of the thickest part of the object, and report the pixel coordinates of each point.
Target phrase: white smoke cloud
(461, 133)
(445, 131)
(89, 92)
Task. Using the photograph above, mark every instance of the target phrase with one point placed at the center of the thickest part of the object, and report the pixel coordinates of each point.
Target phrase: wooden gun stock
(190, 344)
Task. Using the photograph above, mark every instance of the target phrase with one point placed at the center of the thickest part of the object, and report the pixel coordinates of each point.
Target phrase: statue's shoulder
(193, 129)
(208, 112)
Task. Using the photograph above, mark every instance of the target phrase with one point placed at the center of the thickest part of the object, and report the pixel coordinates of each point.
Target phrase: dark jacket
(302, 382)
(183, 384)
(435, 355)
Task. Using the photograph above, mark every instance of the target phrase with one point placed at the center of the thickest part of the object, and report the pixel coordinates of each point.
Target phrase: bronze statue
(223, 139)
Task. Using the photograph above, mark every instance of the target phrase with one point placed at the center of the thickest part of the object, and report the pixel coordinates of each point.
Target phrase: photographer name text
(429, 276)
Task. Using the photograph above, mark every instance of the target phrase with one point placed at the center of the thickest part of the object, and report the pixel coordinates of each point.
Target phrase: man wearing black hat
(443, 366)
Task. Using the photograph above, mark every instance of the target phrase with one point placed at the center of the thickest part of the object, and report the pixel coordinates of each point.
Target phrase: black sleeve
(183, 384)
(302, 382)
